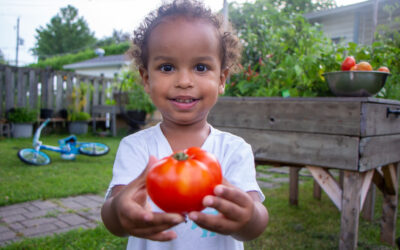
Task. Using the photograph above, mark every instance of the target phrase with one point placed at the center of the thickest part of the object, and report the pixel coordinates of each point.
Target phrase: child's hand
(133, 214)
(241, 214)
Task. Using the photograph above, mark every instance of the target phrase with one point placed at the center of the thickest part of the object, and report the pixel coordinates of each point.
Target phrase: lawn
(313, 224)
(20, 182)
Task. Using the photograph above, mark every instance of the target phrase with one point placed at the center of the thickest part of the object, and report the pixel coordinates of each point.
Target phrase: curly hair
(230, 45)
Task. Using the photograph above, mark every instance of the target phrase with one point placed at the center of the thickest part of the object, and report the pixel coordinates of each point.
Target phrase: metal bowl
(356, 83)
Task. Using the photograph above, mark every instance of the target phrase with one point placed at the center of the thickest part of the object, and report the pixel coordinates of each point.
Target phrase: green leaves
(138, 99)
(284, 53)
(65, 33)
(22, 115)
(282, 50)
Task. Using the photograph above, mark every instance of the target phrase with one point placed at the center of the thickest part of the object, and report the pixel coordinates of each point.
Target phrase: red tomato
(178, 183)
(348, 63)
(384, 69)
(364, 66)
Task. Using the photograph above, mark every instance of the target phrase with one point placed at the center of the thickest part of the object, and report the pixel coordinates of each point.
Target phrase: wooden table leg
(351, 196)
(390, 202)
(369, 205)
(294, 185)
(317, 190)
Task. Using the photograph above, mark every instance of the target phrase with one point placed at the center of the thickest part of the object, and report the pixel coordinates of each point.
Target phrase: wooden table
(359, 136)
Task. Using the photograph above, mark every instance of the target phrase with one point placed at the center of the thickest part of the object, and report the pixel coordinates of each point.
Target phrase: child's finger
(163, 236)
(152, 227)
(164, 219)
(154, 232)
(215, 223)
(233, 194)
(229, 209)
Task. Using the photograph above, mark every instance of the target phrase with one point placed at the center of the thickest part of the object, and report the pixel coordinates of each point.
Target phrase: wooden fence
(48, 89)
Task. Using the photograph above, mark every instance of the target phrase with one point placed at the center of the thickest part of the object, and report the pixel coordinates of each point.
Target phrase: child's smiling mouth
(184, 102)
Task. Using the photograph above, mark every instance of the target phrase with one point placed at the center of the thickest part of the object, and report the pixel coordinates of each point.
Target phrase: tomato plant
(178, 183)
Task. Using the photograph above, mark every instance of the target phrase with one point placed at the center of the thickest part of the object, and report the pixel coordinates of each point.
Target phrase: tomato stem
(181, 156)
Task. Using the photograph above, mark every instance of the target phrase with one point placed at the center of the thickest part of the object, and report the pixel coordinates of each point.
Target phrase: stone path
(41, 218)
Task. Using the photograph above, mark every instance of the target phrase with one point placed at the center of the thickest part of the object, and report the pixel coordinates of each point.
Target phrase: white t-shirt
(237, 163)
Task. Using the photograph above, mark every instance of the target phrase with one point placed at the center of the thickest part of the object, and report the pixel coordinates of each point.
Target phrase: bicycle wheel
(93, 149)
(33, 157)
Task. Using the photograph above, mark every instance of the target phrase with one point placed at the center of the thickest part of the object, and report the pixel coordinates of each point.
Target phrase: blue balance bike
(68, 147)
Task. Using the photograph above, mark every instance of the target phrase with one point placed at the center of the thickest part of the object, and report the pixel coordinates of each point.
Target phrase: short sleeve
(130, 160)
(240, 168)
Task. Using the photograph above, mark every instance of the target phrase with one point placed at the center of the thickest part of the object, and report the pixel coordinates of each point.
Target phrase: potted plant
(139, 103)
(78, 122)
(77, 118)
(21, 120)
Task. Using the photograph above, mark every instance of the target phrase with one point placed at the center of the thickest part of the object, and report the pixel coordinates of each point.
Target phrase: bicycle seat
(69, 139)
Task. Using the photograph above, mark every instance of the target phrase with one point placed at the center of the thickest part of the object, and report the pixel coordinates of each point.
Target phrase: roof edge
(341, 9)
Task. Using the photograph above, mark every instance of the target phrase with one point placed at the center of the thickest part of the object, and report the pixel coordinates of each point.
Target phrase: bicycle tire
(33, 157)
(94, 149)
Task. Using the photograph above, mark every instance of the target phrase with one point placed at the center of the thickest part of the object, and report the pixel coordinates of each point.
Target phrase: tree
(117, 37)
(66, 32)
(304, 6)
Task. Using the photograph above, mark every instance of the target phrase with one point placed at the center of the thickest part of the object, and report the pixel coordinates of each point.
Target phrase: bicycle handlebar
(38, 131)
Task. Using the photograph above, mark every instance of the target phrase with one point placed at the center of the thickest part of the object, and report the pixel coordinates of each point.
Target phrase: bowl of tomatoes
(356, 79)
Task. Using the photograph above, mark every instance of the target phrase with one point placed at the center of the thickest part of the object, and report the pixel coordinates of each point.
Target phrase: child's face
(184, 75)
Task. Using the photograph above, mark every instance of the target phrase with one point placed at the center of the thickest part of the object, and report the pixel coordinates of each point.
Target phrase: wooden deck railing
(48, 89)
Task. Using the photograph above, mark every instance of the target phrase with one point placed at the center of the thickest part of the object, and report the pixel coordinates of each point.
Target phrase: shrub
(79, 116)
(283, 54)
(21, 115)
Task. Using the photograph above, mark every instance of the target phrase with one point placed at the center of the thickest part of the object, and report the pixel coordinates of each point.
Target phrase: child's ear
(223, 77)
(144, 74)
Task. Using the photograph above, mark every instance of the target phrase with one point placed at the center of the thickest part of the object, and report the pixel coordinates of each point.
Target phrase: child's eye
(201, 67)
(166, 68)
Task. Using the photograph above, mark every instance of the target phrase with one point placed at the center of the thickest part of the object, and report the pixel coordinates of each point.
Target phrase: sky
(102, 16)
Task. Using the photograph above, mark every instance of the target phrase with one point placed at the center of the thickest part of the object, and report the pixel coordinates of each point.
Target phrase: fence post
(50, 89)
(103, 89)
(43, 89)
(33, 89)
(95, 100)
(70, 83)
(87, 106)
(1, 94)
(21, 90)
(59, 93)
(9, 89)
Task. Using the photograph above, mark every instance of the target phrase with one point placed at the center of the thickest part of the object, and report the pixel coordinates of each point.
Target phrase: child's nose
(184, 79)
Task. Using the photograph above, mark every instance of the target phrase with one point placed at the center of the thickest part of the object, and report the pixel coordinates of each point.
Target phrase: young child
(184, 58)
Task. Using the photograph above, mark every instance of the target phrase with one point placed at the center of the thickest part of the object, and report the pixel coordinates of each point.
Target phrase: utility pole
(225, 14)
(375, 18)
(17, 47)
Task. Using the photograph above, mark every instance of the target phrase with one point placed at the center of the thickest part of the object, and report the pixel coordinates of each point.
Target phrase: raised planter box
(78, 128)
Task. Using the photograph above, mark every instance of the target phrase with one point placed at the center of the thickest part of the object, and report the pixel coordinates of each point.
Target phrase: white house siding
(106, 71)
(354, 24)
(339, 27)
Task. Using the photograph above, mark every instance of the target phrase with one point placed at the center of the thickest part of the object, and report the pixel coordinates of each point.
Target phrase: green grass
(313, 224)
(20, 182)
(97, 238)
